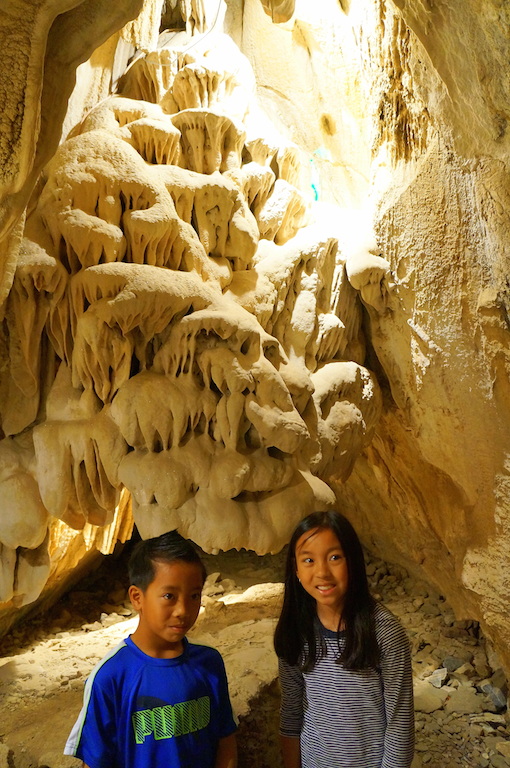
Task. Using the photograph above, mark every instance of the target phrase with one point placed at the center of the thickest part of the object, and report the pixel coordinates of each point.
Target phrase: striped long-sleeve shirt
(353, 719)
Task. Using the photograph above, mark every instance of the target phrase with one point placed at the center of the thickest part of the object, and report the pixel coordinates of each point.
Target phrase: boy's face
(168, 608)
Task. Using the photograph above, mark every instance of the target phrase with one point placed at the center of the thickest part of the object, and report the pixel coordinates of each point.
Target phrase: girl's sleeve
(292, 689)
(397, 678)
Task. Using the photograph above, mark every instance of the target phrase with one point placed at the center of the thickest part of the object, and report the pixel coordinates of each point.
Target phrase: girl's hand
(291, 751)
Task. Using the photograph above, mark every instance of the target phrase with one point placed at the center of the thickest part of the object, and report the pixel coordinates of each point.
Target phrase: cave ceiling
(253, 265)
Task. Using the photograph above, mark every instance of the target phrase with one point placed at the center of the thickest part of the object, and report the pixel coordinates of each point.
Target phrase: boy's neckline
(160, 659)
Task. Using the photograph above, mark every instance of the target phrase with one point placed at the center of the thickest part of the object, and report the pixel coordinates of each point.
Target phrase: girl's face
(321, 567)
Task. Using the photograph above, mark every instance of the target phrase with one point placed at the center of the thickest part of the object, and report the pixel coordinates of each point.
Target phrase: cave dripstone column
(268, 274)
(179, 324)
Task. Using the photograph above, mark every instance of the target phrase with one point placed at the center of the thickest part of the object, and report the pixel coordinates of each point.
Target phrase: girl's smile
(321, 567)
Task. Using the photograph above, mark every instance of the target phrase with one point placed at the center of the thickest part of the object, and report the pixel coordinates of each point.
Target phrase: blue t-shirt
(142, 712)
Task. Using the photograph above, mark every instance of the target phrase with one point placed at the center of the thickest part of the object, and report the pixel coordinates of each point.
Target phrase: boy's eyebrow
(178, 586)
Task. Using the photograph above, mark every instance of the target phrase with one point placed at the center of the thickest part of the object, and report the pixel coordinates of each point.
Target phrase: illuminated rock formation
(178, 326)
(220, 253)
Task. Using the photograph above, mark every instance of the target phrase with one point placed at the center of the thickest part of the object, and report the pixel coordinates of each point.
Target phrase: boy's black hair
(161, 549)
(295, 638)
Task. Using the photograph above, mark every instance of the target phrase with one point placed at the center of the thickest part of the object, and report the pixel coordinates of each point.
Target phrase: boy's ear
(135, 595)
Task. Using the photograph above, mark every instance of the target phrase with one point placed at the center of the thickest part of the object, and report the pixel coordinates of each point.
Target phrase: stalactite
(173, 274)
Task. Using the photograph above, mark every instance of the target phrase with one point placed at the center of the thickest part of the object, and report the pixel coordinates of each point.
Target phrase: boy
(157, 700)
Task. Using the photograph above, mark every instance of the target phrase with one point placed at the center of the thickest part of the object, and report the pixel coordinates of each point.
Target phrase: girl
(344, 660)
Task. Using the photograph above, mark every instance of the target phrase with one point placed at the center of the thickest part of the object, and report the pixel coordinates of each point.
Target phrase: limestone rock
(463, 700)
(279, 10)
(247, 243)
(67, 33)
(427, 698)
(177, 326)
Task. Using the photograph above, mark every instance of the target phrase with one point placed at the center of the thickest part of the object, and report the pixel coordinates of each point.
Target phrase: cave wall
(333, 177)
(427, 93)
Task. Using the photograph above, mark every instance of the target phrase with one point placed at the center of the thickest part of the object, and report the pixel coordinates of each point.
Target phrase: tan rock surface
(175, 252)
(130, 363)
(427, 254)
(42, 43)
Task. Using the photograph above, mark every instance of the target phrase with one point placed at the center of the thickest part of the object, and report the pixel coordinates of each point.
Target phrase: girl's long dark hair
(296, 639)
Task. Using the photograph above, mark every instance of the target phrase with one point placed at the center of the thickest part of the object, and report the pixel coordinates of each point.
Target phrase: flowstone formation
(180, 323)
(234, 392)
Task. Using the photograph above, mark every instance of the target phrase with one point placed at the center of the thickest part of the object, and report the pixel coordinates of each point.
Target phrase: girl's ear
(136, 597)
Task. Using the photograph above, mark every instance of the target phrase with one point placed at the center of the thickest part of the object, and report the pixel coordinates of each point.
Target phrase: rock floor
(460, 700)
